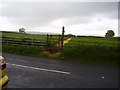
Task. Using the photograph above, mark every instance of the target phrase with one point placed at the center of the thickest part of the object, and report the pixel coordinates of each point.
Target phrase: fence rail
(22, 42)
(3, 37)
(47, 41)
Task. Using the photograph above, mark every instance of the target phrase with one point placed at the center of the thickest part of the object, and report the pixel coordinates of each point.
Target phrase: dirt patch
(51, 54)
(58, 45)
(64, 42)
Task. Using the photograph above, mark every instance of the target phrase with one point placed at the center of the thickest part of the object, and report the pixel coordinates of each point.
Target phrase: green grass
(27, 36)
(23, 35)
(23, 50)
(17, 37)
(26, 50)
(109, 42)
(84, 49)
(97, 50)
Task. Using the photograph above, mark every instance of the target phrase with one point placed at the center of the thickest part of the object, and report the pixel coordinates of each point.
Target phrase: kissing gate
(55, 42)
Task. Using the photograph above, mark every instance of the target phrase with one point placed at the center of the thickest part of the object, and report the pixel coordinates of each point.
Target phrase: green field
(21, 36)
(97, 50)
(26, 39)
(109, 42)
(83, 49)
(55, 39)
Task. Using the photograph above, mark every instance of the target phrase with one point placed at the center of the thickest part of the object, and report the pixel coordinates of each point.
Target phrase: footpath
(58, 45)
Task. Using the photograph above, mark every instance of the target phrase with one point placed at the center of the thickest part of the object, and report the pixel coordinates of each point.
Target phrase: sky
(79, 18)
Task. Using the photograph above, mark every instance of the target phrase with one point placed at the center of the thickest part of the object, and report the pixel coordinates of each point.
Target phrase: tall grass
(31, 50)
(103, 50)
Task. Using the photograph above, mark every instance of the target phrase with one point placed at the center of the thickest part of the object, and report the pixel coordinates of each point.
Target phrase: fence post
(47, 42)
(62, 38)
(32, 41)
(50, 39)
(59, 42)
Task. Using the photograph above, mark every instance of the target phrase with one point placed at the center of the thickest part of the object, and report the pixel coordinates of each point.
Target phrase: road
(36, 72)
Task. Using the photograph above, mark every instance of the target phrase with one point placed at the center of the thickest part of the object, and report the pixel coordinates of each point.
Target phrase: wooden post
(32, 41)
(62, 38)
(47, 42)
(59, 42)
(50, 39)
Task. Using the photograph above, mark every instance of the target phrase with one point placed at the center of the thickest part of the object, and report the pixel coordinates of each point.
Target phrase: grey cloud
(42, 13)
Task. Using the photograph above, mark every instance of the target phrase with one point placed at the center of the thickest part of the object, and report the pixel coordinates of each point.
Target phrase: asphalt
(36, 72)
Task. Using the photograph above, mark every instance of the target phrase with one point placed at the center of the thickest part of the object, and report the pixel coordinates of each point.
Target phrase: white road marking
(49, 70)
(102, 77)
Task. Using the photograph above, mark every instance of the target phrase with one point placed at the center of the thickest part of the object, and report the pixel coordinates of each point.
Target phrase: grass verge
(23, 50)
(95, 50)
(92, 53)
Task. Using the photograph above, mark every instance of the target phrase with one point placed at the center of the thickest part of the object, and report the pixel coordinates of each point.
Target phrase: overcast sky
(79, 18)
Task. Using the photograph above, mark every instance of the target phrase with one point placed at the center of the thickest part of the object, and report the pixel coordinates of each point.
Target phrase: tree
(22, 30)
(70, 35)
(110, 33)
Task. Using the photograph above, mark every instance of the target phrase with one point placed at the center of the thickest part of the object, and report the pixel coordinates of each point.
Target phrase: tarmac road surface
(36, 72)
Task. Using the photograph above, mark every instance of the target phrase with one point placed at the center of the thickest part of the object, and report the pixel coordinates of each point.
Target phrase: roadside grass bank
(96, 50)
(28, 51)
(23, 50)
(85, 49)
(97, 54)
(79, 53)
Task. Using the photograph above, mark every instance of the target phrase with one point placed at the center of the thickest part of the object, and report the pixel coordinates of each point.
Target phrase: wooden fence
(24, 41)
(49, 42)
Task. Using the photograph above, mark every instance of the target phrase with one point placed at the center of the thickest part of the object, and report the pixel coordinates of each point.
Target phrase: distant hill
(45, 33)
(9, 32)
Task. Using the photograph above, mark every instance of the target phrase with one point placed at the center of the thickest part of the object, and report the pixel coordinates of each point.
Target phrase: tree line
(110, 33)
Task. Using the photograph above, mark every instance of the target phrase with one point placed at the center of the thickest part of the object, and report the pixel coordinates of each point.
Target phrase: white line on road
(50, 70)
